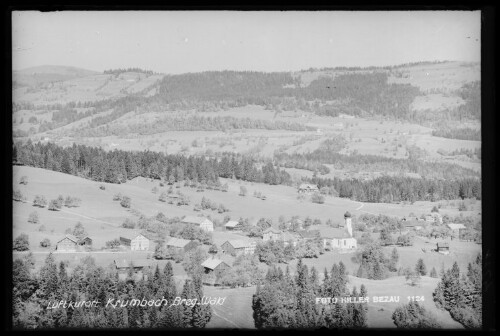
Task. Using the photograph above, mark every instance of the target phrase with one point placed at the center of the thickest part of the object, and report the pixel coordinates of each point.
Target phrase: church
(340, 238)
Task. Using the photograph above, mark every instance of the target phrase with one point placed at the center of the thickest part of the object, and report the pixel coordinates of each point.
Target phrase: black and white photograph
(226, 169)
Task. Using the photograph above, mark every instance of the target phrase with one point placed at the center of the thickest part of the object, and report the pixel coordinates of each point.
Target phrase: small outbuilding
(443, 248)
(232, 226)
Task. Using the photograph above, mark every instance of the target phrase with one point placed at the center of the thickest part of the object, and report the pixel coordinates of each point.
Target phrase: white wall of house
(207, 226)
(341, 243)
(140, 243)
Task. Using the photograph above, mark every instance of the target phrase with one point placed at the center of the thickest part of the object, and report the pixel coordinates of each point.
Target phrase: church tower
(348, 225)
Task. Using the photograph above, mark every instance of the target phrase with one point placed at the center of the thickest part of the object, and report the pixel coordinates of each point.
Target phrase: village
(342, 239)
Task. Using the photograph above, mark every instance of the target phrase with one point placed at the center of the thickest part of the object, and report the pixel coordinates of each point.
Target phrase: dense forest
(461, 293)
(328, 154)
(191, 123)
(387, 189)
(286, 301)
(119, 166)
(34, 291)
(458, 133)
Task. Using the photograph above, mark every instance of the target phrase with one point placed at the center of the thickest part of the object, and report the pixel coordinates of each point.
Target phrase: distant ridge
(48, 73)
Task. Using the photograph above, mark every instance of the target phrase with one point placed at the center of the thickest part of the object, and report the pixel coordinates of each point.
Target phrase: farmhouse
(67, 244)
(179, 244)
(443, 248)
(233, 226)
(238, 247)
(271, 234)
(307, 188)
(412, 224)
(214, 268)
(455, 228)
(202, 222)
(138, 267)
(340, 238)
(289, 238)
(136, 241)
(437, 217)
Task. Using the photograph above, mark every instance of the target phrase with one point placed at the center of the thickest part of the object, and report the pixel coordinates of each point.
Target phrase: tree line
(34, 290)
(286, 301)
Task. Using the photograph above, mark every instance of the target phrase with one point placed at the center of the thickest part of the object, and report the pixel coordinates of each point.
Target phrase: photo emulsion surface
(246, 170)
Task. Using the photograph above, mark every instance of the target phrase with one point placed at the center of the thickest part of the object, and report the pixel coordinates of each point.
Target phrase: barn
(307, 188)
(135, 240)
(238, 247)
(180, 244)
(85, 241)
(443, 248)
(214, 269)
(67, 244)
(455, 229)
(232, 226)
(139, 266)
(201, 222)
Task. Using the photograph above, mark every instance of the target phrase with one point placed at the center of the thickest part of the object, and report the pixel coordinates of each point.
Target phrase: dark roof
(124, 263)
(309, 233)
(273, 230)
(131, 235)
(70, 237)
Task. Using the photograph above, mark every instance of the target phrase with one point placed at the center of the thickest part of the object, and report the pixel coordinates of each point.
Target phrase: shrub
(154, 190)
(405, 240)
(111, 244)
(435, 209)
(79, 230)
(117, 197)
(462, 206)
(433, 273)
(72, 202)
(41, 228)
(102, 187)
(128, 224)
(243, 191)
(420, 267)
(21, 243)
(60, 201)
(23, 180)
(317, 198)
(225, 187)
(412, 276)
(54, 205)
(45, 242)
(40, 201)
(17, 196)
(125, 202)
(33, 218)
(163, 197)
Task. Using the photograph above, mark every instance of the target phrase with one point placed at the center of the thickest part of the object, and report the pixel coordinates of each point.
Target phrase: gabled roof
(131, 235)
(443, 244)
(195, 220)
(273, 230)
(309, 233)
(177, 242)
(232, 224)
(212, 263)
(456, 226)
(238, 243)
(70, 237)
(335, 233)
(286, 236)
(308, 186)
(124, 263)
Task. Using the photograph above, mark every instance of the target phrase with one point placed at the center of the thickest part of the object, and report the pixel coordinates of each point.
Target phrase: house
(307, 188)
(341, 238)
(455, 229)
(289, 238)
(238, 247)
(412, 224)
(67, 244)
(139, 266)
(85, 241)
(179, 244)
(437, 217)
(213, 270)
(233, 226)
(201, 222)
(429, 218)
(443, 248)
(271, 234)
(136, 241)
